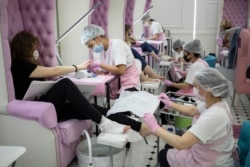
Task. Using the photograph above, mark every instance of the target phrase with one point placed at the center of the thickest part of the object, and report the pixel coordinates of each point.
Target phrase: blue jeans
(146, 47)
(139, 57)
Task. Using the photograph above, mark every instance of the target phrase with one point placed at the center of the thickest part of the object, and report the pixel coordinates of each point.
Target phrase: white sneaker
(109, 126)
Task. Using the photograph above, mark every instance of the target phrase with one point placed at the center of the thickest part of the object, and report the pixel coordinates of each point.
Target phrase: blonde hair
(226, 24)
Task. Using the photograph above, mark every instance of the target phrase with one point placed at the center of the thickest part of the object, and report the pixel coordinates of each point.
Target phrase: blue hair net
(90, 32)
(193, 46)
(145, 17)
(177, 44)
(211, 80)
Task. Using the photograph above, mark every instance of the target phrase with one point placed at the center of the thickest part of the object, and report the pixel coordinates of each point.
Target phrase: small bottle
(169, 128)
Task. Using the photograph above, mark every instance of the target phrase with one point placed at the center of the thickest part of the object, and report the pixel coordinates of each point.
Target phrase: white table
(9, 155)
(102, 84)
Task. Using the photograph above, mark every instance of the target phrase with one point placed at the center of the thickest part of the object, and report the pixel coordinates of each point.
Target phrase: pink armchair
(241, 83)
(34, 124)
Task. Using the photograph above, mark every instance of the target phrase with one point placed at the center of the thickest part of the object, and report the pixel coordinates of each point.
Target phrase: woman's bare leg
(152, 74)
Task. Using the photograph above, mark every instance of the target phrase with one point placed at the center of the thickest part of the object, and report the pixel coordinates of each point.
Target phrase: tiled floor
(151, 155)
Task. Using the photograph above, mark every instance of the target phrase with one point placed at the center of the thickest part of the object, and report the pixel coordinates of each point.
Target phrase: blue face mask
(98, 48)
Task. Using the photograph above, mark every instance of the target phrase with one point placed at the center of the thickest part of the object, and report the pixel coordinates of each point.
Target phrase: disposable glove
(94, 70)
(180, 72)
(168, 83)
(93, 65)
(165, 99)
(150, 120)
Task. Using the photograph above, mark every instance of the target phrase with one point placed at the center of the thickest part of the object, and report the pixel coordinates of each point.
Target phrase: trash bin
(211, 60)
(101, 154)
(183, 122)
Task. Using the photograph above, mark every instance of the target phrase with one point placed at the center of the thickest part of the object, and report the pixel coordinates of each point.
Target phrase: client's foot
(150, 80)
(165, 57)
(109, 126)
(161, 77)
(145, 130)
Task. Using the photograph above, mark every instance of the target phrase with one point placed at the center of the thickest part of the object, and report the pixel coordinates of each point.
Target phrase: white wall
(116, 19)
(138, 11)
(178, 17)
(72, 51)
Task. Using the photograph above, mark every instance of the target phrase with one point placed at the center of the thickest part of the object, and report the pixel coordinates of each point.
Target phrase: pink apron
(162, 37)
(129, 79)
(203, 61)
(199, 155)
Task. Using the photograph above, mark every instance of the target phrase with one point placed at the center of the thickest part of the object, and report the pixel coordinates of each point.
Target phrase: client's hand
(151, 122)
(168, 83)
(165, 99)
(84, 65)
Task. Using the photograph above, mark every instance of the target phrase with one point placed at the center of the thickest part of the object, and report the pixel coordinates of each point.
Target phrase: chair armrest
(42, 112)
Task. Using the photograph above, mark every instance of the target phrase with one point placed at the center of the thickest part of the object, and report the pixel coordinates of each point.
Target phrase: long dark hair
(23, 45)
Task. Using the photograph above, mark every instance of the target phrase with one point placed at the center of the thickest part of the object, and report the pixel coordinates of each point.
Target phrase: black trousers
(163, 156)
(70, 103)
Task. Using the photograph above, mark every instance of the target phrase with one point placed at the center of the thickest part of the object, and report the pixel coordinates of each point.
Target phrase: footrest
(111, 139)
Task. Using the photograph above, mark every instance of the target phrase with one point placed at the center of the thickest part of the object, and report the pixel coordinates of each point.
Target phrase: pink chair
(241, 84)
(34, 124)
(129, 12)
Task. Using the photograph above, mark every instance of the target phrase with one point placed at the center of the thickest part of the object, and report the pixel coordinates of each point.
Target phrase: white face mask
(198, 96)
(146, 24)
(36, 54)
(178, 54)
(181, 53)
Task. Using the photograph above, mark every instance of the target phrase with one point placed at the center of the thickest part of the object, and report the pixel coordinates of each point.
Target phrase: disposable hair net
(211, 80)
(145, 17)
(193, 46)
(177, 44)
(90, 32)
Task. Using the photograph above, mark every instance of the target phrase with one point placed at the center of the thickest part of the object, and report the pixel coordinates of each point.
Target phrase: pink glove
(93, 65)
(168, 83)
(93, 70)
(165, 99)
(180, 72)
(151, 122)
(175, 61)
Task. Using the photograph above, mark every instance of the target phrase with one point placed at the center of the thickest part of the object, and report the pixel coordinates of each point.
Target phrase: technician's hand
(168, 83)
(151, 122)
(180, 72)
(165, 99)
(175, 61)
(84, 65)
(94, 70)
(94, 65)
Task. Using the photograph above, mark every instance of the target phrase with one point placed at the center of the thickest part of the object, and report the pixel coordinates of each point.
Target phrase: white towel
(138, 102)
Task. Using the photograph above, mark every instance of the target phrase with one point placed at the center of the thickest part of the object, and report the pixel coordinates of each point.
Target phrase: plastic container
(182, 122)
(101, 155)
(169, 128)
(211, 60)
